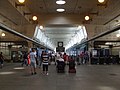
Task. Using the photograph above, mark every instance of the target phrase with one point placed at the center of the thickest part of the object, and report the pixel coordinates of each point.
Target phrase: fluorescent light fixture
(60, 2)
(60, 10)
(87, 18)
(101, 1)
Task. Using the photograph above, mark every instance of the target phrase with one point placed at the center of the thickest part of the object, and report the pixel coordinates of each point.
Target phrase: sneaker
(47, 74)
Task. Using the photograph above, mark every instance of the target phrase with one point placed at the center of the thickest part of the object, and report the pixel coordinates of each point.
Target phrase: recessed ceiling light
(60, 10)
(87, 18)
(3, 34)
(34, 18)
(60, 2)
(117, 35)
(101, 1)
(41, 27)
(21, 1)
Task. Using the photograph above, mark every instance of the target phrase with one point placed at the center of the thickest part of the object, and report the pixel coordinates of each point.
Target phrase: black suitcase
(61, 67)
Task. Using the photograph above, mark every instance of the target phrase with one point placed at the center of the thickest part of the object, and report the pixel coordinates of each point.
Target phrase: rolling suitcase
(72, 71)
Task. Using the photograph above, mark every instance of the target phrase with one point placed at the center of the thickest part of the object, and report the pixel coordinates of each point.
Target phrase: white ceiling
(60, 33)
(60, 26)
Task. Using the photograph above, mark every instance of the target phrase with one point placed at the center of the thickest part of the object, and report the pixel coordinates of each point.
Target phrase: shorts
(33, 64)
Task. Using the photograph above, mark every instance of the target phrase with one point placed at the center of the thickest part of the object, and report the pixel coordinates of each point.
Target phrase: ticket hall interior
(86, 32)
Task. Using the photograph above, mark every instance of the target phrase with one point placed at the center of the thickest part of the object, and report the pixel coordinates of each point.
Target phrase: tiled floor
(88, 77)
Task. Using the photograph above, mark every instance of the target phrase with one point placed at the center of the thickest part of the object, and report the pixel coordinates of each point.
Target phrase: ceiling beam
(112, 19)
(21, 10)
(8, 19)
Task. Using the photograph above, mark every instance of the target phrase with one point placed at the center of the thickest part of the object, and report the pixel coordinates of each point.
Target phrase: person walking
(25, 57)
(1, 60)
(33, 62)
(45, 62)
(82, 57)
(40, 58)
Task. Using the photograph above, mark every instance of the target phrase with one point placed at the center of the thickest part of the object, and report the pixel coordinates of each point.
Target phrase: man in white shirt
(33, 62)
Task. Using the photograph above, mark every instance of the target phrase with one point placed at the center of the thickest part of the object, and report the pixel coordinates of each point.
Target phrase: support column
(30, 45)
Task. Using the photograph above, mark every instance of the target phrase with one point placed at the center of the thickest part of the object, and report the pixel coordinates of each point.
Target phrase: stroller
(72, 68)
(60, 66)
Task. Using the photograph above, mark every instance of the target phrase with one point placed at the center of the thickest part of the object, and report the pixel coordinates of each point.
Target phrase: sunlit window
(79, 36)
(39, 35)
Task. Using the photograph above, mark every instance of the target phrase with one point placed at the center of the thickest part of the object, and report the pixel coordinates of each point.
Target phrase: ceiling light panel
(60, 2)
(60, 10)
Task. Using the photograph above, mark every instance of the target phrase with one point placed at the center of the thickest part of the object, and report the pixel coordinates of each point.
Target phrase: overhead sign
(60, 49)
